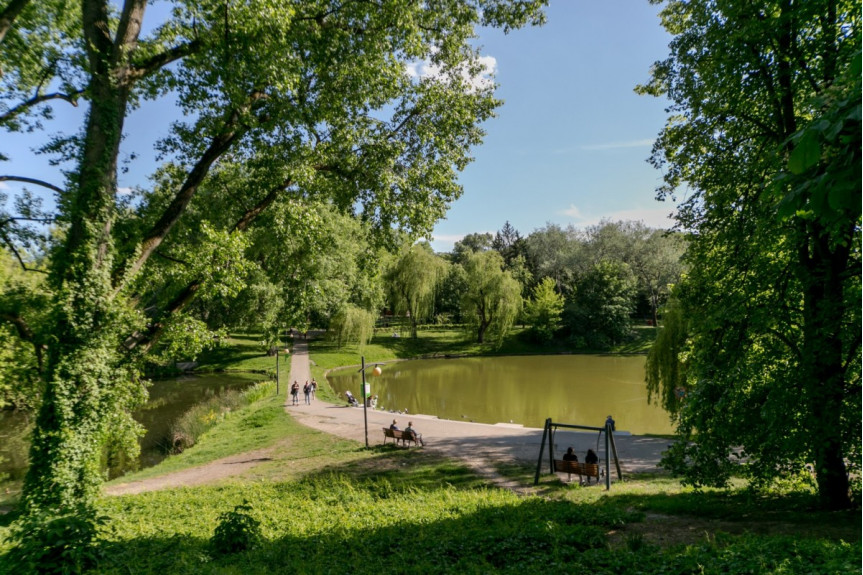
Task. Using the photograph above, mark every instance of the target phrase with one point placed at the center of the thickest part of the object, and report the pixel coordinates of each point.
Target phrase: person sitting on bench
(591, 457)
(411, 432)
(570, 455)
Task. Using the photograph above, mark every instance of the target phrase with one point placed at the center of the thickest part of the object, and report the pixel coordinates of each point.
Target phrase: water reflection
(169, 399)
(578, 389)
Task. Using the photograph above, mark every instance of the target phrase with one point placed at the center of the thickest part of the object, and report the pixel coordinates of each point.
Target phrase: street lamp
(287, 351)
(375, 371)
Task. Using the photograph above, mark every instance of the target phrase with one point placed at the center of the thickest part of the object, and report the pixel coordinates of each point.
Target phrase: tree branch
(161, 60)
(8, 15)
(218, 146)
(12, 113)
(6, 240)
(31, 181)
(147, 340)
(25, 333)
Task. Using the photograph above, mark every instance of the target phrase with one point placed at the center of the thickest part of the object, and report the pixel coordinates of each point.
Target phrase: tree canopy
(297, 101)
(765, 135)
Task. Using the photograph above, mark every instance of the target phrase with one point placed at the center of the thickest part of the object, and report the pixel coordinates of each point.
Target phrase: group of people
(590, 457)
(309, 390)
(409, 432)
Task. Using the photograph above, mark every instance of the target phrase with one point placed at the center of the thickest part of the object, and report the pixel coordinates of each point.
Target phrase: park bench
(398, 435)
(578, 468)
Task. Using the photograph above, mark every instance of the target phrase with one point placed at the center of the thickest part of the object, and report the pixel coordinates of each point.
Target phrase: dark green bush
(237, 531)
(54, 542)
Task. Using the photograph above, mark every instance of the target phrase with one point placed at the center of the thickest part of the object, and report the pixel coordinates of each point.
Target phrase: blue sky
(568, 146)
(570, 142)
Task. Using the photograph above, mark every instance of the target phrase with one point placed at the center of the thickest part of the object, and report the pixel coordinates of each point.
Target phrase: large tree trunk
(823, 370)
(81, 371)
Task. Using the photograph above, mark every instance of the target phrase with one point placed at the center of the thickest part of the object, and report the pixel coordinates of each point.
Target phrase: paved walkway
(460, 439)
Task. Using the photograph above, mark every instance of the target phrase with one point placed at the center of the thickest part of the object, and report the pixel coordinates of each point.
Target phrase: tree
(413, 282)
(493, 298)
(306, 99)
(654, 256)
(543, 310)
(555, 252)
(598, 312)
(471, 244)
(766, 136)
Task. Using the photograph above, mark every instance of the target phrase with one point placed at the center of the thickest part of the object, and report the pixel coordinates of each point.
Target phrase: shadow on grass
(389, 529)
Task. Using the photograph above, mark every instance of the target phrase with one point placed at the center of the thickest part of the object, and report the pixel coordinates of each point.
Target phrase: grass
(326, 505)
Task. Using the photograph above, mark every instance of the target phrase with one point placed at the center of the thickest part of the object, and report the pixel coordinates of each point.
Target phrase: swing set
(548, 436)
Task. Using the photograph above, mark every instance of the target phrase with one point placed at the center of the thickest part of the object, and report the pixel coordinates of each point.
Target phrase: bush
(237, 531)
(54, 542)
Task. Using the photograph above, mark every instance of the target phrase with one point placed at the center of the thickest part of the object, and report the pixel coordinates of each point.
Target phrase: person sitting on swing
(570, 455)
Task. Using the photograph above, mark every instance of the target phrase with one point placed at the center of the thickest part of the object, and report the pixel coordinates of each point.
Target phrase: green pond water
(526, 390)
(169, 399)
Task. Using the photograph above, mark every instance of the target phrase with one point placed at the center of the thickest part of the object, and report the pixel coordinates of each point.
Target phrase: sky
(570, 143)
(568, 146)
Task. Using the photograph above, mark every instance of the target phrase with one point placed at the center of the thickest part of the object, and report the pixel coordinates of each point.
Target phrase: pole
(365, 417)
(607, 459)
(277, 370)
(541, 449)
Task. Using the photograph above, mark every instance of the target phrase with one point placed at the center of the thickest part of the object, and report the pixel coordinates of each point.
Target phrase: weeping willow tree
(352, 324)
(413, 282)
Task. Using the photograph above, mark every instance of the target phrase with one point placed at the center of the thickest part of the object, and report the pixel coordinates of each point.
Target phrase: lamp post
(375, 371)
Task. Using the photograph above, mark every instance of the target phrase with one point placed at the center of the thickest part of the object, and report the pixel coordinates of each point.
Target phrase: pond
(526, 390)
(169, 399)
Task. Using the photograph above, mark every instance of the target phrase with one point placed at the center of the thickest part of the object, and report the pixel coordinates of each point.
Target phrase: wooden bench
(578, 468)
(398, 435)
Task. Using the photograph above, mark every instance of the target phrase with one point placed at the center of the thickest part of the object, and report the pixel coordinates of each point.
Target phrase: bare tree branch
(31, 181)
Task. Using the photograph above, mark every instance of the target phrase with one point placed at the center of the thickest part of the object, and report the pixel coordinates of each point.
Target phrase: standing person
(314, 388)
(295, 392)
(307, 392)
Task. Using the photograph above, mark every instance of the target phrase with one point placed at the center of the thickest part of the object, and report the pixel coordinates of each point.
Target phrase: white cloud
(573, 212)
(659, 218)
(483, 79)
(124, 191)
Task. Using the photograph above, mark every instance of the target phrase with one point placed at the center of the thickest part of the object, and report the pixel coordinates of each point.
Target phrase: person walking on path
(314, 388)
(295, 393)
(307, 392)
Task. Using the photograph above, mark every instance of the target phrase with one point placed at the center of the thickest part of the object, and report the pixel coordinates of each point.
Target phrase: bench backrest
(590, 469)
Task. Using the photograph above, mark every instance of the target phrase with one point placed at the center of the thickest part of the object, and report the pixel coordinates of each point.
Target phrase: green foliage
(237, 531)
(492, 300)
(665, 369)
(52, 541)
(598, 313)
(543, 311)
(352, 324)
(413, 281)
(766, 138)
(288, 110)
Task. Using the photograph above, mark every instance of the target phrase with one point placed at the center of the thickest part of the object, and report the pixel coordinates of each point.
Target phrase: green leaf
(806, 153)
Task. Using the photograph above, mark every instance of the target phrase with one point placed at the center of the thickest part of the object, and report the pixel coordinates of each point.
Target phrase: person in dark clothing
(591, 457)
(570, 455)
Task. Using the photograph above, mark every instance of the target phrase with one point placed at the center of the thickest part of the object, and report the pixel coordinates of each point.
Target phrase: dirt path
(474, 443)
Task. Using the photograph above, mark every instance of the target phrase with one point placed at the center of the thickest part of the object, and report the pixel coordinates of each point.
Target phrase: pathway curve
(475, 444)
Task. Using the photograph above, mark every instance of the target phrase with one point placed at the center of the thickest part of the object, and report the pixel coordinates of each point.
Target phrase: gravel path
(473, 443)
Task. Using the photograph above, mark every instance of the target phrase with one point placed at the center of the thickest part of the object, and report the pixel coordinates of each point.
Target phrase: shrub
(55, 542)
(237, 531)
